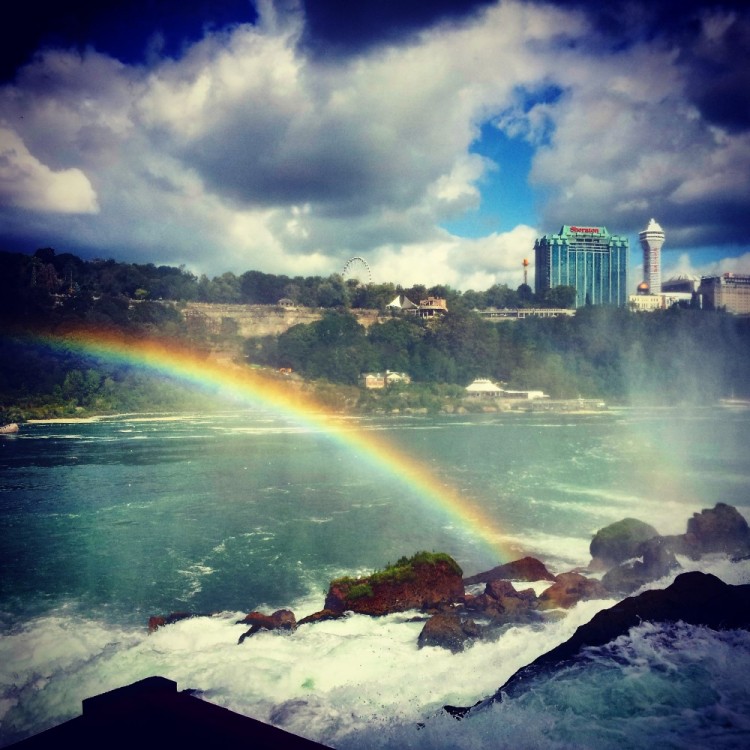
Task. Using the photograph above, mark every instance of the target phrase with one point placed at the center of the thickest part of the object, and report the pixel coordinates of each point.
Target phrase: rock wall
(249, 321)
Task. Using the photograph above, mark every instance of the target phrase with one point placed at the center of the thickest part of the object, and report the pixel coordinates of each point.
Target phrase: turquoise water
(106, 523)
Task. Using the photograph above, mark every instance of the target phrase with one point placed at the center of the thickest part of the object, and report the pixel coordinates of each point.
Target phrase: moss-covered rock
(423, 581)
(620, 541)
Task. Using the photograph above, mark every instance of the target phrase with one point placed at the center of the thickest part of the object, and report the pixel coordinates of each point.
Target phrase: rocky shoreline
(457, 612)
(626, 555)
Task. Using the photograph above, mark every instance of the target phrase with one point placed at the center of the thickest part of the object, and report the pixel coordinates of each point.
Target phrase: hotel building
(730, 292)
(590, 259)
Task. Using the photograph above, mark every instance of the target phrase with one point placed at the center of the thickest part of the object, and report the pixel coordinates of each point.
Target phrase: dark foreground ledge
(151, 713)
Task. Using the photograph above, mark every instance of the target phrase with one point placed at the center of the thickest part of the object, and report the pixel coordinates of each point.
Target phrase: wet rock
(503, 604)
(620, 541)
(320, 616)
(448, 631)
(718, 529)
(158, 621)
(569, 589)
(281, 619)
(694, 598)
(525, 569)
(424, 581)
(657, 560)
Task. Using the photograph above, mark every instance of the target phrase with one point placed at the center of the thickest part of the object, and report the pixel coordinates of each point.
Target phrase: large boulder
(718, 529)
(694, 598)
(620, 541)
(448, 630)
(657, 560)
(321, 616)
(503, 604)
(525, 569)
(281, 619)
(569, 589)
(424, 581)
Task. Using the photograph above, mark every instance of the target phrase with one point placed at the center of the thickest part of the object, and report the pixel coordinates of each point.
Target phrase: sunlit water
(103, 524)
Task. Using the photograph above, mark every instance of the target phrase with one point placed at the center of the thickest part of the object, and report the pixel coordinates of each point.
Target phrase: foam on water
(362, 682)
(205, 542)
(671, 687)
(324, 681)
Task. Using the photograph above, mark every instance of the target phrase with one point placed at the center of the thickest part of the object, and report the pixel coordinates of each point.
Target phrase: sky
(435, 140)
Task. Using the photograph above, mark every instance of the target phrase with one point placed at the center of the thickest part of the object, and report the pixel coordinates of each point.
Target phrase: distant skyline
(436, 140)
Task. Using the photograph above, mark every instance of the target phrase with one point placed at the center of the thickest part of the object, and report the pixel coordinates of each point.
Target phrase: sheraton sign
(586, 230)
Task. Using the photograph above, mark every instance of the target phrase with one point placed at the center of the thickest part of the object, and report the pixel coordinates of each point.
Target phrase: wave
(362, 682)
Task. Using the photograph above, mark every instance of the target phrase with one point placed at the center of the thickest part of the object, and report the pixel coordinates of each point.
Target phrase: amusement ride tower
(651, 239)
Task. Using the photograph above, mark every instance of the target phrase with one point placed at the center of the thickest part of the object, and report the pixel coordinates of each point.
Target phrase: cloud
(27, 183)
(336, 29)
(628, 142)
(459, 262)
(251, 147)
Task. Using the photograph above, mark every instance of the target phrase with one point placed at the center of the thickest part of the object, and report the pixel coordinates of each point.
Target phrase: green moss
(343, 581)
(401, 571)
(359, 591)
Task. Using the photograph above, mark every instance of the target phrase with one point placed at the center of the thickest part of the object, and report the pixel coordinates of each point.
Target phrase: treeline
(36, 283)
(668, 357)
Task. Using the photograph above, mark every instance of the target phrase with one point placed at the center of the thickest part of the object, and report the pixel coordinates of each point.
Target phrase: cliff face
(249, 321)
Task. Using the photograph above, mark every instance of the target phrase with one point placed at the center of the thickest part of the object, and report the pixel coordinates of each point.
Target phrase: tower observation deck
(651, 239)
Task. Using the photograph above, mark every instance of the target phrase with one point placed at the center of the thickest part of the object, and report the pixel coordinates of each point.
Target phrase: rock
(281, 619)
(720, 529)
(694, 598)
(525, 569)
(569, 589)
(503, 603)
(158, 621)
(448, 631)
(321, 616)
(658, 560)
(619, 541)
(424, 581)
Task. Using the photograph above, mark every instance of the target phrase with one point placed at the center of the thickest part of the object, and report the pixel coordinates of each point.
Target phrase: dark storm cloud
(121, 28)
(344, 27)
(713, 39)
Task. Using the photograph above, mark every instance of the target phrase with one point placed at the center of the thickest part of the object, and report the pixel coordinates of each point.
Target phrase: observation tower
(651, 239)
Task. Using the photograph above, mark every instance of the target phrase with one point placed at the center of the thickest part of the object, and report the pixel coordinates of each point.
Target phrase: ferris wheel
(357, 268)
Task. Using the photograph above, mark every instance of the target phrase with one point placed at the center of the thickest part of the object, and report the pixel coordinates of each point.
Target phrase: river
(106, 522)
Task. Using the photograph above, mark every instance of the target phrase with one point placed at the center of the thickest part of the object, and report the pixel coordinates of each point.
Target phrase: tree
(558, 296)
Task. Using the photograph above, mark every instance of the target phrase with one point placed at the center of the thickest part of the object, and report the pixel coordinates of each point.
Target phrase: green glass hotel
(590, 259)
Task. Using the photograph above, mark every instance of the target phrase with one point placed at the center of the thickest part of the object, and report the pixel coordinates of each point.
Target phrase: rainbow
(251, 386)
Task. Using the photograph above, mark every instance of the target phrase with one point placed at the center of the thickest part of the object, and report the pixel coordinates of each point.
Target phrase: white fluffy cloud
(246, 153)
(27, 183)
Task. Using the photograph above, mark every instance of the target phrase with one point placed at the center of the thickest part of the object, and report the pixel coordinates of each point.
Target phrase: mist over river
(106, 522)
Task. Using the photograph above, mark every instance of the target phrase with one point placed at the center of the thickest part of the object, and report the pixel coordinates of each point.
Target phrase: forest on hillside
(673, 356)
(677, 356)
(31, 283)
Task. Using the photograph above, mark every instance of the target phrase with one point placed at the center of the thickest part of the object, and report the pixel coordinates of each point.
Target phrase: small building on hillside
(392, 377)
(401, 302)
(372, 380)
(379, 380)
(432, 306)
(483, 388)
(524, 395)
